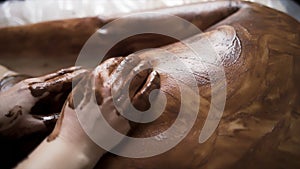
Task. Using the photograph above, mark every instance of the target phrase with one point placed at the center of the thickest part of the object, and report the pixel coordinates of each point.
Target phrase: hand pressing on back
(69, 139)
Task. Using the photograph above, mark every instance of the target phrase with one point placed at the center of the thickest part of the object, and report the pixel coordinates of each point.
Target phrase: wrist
(84, 154)
(69, 132)
(60, 154)
(83, 146)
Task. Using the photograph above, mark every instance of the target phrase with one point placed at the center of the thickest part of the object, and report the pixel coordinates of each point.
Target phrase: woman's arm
(68, 146)
(72, 148)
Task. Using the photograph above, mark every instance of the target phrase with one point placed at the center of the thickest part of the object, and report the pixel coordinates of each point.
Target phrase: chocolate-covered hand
(107, 79)
(69, 139)
(28, 105)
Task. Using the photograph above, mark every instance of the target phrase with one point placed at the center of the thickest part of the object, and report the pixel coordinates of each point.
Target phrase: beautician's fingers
(137, 82)
(136, 78)
(121, 73)
(141, 98)
(58, 73)
(128, 78)
(107, 107)
(80, 100)
(113, 117)
(57, 82)
(105, 72)
(41, 97)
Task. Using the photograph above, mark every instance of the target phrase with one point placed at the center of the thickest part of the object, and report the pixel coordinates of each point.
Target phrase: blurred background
(17, 12)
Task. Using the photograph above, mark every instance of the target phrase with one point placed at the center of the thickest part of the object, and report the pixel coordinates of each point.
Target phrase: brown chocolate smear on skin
(140, 99)
(69, 36)
(16, 109)
(57, 127)
(60, 81)
(267, 66)
(258, 128)
(15, 112)
(81, 92)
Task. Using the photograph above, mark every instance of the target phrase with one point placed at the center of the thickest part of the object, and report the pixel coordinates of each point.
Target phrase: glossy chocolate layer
(259, 48)
(260, 125)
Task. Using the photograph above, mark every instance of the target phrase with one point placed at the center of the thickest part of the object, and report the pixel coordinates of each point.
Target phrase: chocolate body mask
(259, 50)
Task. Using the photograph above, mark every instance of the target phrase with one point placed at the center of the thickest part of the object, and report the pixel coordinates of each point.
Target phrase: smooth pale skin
(69, 150)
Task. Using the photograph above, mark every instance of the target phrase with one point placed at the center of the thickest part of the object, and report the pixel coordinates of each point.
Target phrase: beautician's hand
(28, 105)
(68, 146)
